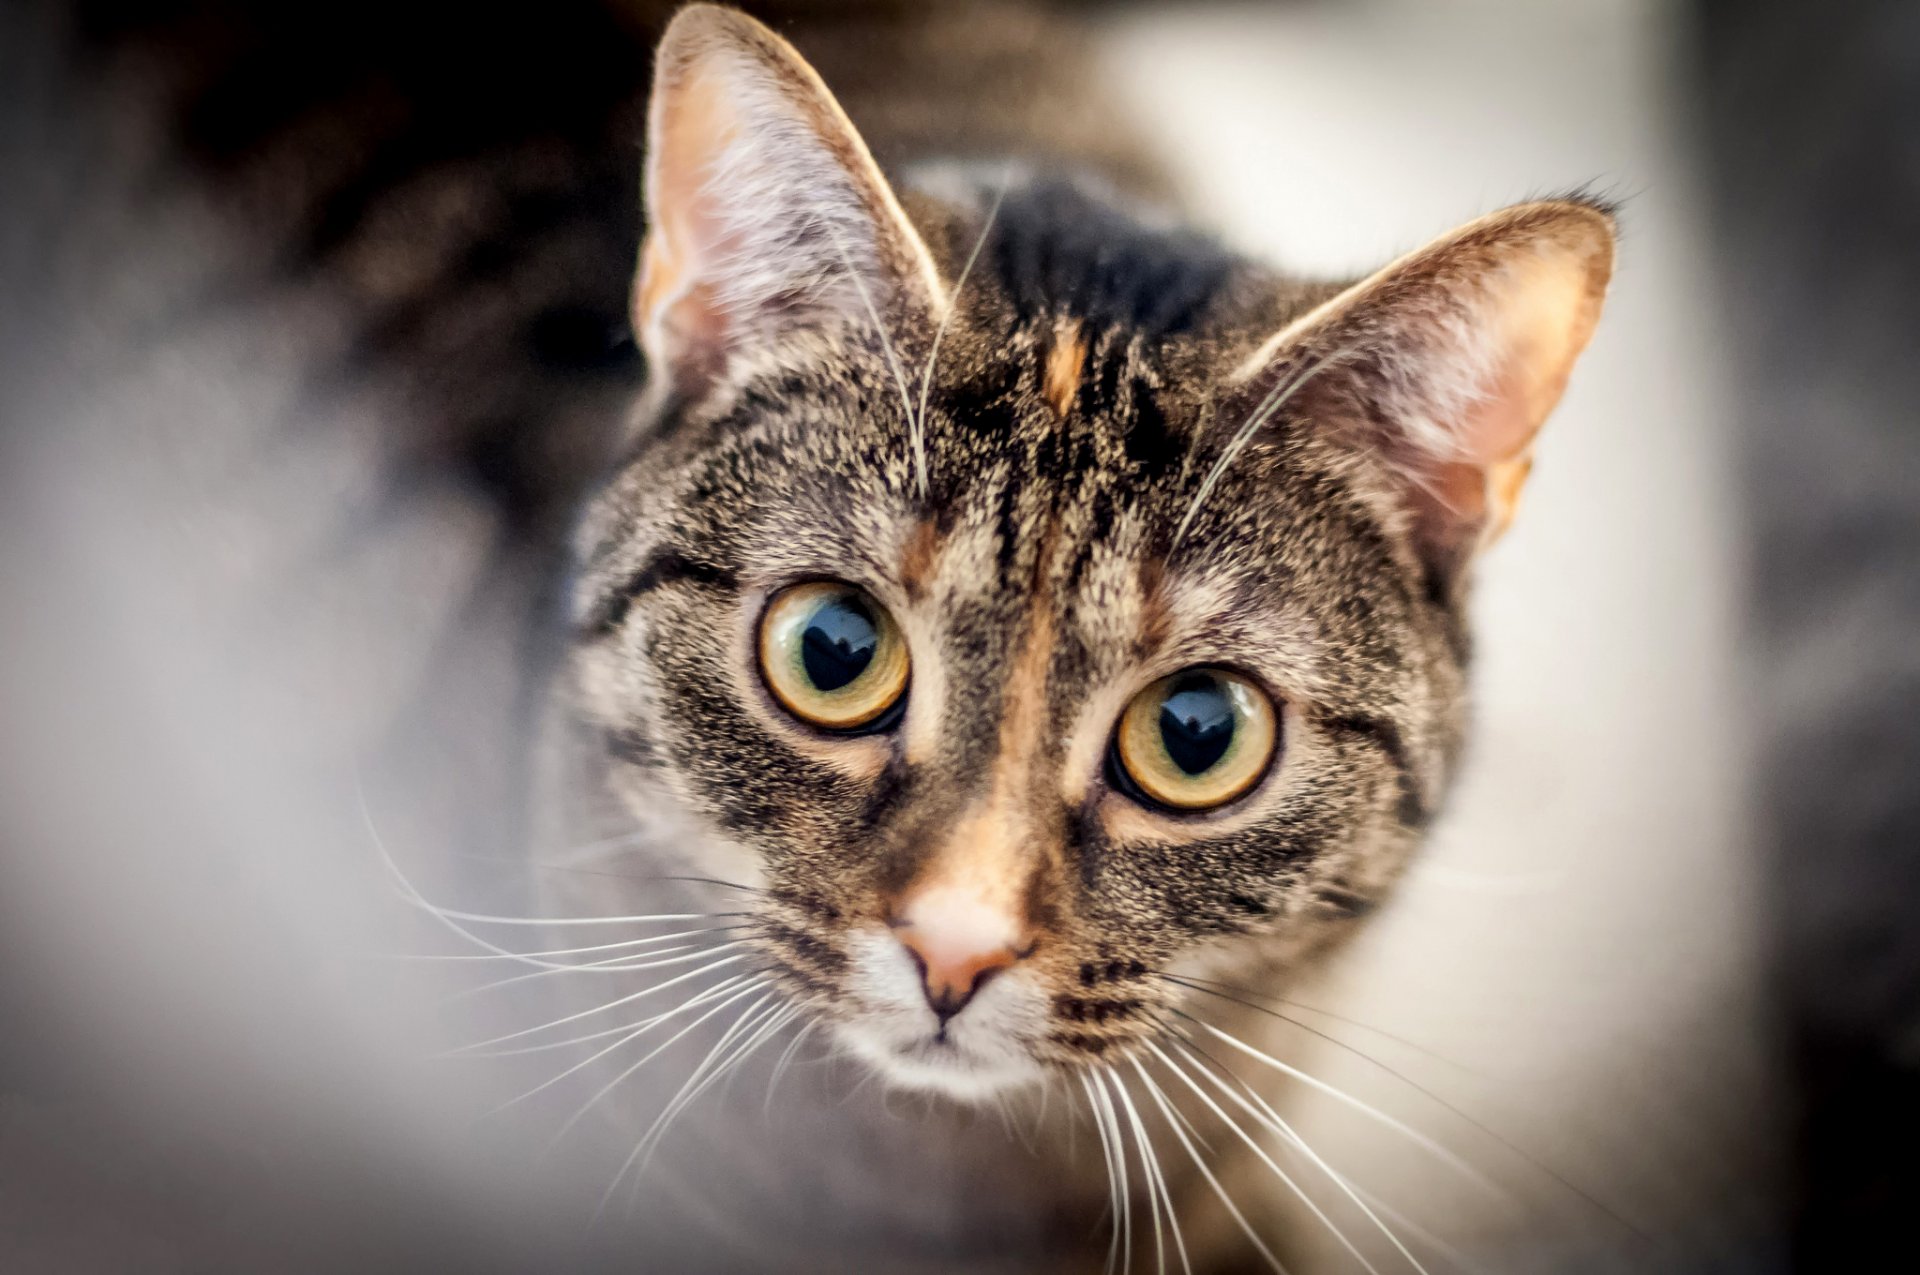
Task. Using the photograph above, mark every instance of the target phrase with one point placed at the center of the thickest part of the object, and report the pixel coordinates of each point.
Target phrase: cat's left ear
(1446, 363)
(766, 214)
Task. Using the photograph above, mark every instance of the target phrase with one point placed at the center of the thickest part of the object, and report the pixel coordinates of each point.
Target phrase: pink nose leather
(958, 943)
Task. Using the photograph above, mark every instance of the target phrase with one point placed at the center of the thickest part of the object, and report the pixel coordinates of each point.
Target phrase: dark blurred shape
(1812, 138)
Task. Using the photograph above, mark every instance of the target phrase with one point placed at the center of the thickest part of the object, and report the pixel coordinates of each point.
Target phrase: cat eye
(833, 657)
(1194, 740)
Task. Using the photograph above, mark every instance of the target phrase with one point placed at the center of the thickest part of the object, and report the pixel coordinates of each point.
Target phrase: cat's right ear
(767, 216)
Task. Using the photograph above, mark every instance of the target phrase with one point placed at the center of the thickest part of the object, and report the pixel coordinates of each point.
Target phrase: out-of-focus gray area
(1809, 135)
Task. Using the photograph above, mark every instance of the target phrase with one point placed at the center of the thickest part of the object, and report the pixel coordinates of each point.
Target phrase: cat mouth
(943, 1061)
(941, 1065)
(937, 1047)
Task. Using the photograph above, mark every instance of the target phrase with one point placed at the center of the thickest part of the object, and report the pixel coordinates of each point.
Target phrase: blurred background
(309, 343)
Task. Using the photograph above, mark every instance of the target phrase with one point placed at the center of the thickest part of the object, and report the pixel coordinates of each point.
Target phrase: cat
(1043, 627)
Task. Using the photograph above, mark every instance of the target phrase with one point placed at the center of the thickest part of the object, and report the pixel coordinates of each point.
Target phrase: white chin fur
(981, 1054)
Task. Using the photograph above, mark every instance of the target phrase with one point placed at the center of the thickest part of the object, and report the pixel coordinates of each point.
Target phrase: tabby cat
(1030, 620)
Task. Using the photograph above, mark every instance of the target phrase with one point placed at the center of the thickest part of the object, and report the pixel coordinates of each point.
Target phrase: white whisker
(1412, 1228)
(785, 1060)
(1017, 1128)
(946, 320)
(734, 995)
(752, 1031)
(1149, 1168)
(1419, 1139)
(1272, 1166)
(1199, 1163)
(485, 918)
(1166, 1196)
(1125, 1220)
(1273, 1121)
(1275, 399)
(1113, 1178)
(568, 951)
(1040, 1116)
(886, 346)
(569, 1042)
(636, 1031)
(451, 919)
(601, 1009)
(612, 965)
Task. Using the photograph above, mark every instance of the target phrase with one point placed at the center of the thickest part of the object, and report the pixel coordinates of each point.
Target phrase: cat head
(1030, 602)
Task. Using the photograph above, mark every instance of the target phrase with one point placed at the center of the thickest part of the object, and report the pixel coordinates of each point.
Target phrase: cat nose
(959, 942)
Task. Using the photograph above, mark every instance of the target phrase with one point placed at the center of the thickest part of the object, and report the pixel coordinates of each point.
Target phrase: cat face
(1035, 607)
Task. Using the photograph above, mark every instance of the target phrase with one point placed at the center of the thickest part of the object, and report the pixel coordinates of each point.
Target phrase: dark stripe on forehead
(665, 566)
(1155, 449)
(1058, 249)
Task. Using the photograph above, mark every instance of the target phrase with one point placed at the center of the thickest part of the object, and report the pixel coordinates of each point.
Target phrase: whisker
(1531, 1160)
(560, 1133)
(481, 917)
(1192, 1129)
(450, 917)
(638, 1030)
(1373, 1113)
(762, 1029)
(1272, 1120)
(1106, 1154)
(537, 865)
(1248, 998)
(946, 320)
(547, 865)
(618, 841)
(1275, 399)
(1020, 1130)
(612, 965)
(1125, 1220)
(730, 885)
(1000, 1110)
(1149, 1168)
(564, 951)
(1166, 1196)
(785, 1060)
(601, 1009)
(1219, 1191)
(1367, 1201)
(1412, 1228)
(914, 432)
(1286, 1132)
(549, 1046)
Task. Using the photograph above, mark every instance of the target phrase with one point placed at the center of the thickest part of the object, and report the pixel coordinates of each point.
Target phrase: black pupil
(838, 643)
(1196, 723)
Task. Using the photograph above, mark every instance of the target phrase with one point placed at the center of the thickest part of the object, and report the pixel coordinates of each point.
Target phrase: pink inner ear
(1502, 424)
(1536, 327)
(677, 313)
(1495, 426)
